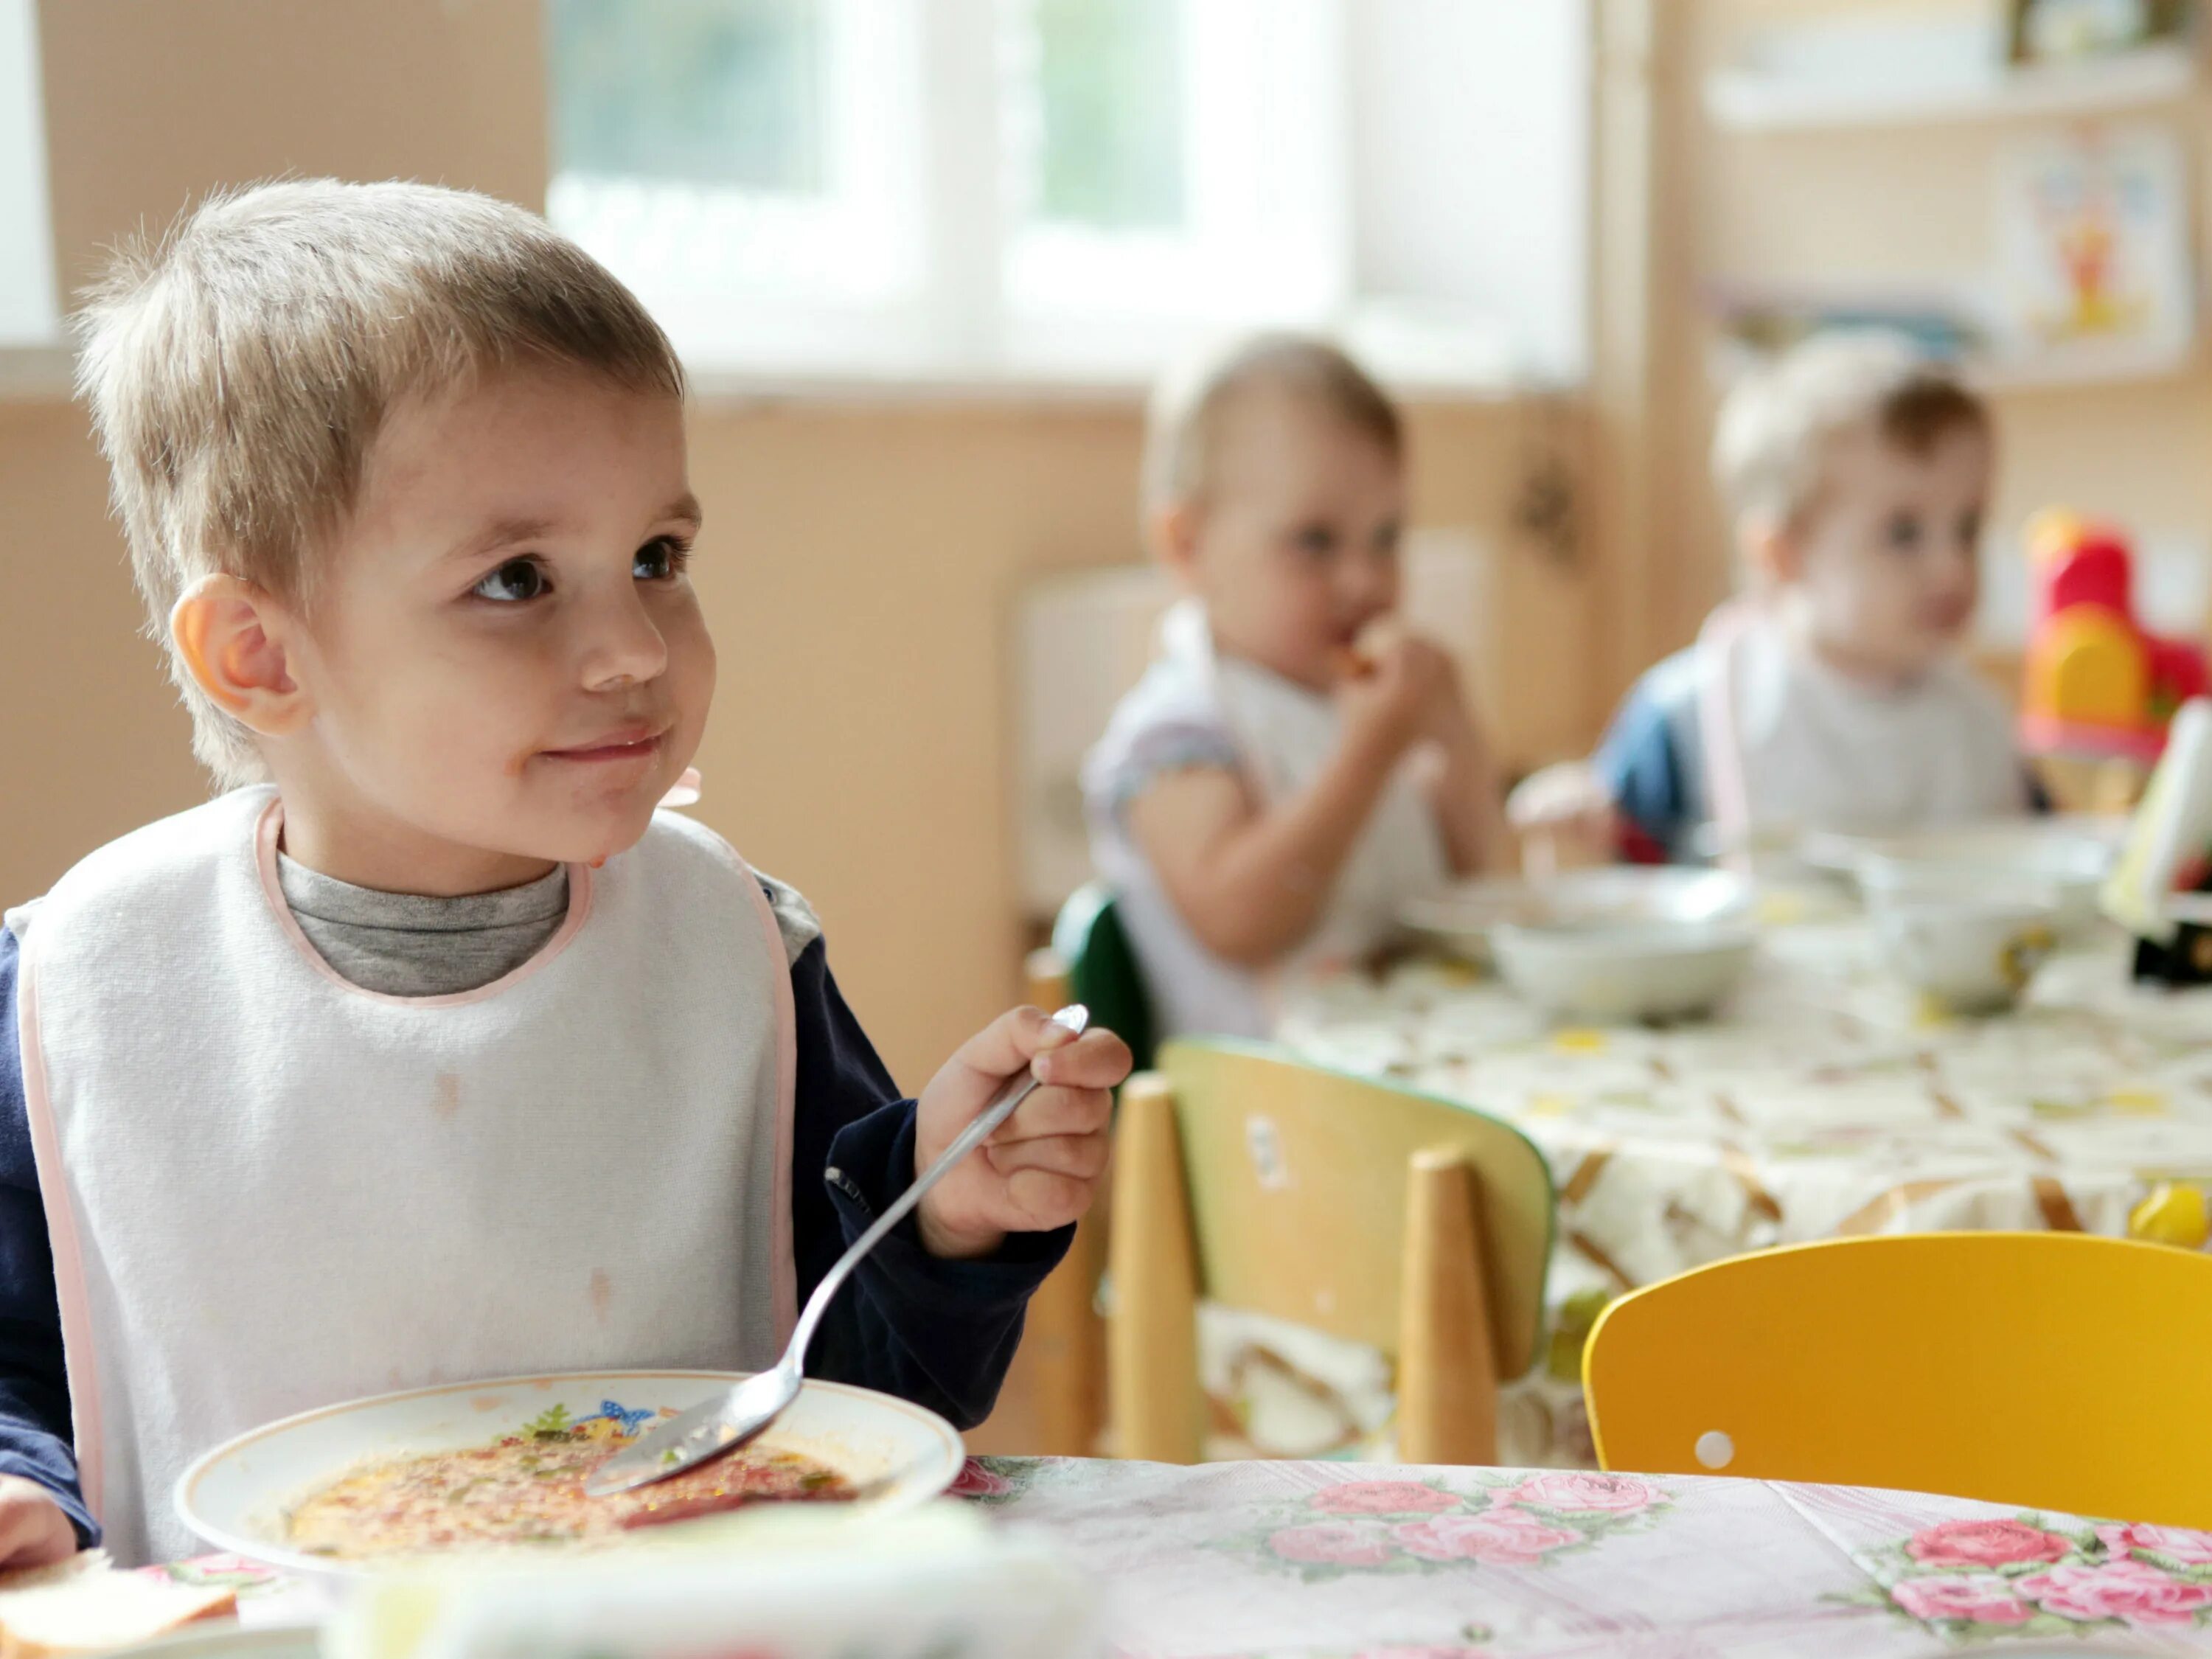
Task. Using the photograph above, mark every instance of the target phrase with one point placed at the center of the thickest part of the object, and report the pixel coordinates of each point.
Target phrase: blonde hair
(239, 368)
(1190, 409)
(1771, 445)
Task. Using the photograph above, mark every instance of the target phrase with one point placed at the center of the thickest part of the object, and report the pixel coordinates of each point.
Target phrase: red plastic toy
(2097, 683)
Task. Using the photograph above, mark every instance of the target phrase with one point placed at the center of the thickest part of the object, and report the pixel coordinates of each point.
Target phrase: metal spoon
(727, 1422)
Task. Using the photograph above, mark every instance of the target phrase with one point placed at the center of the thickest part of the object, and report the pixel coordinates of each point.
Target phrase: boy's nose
(1363, 583)
(622, 646)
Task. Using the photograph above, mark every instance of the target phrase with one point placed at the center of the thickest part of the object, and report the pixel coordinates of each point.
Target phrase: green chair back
(1103, 973)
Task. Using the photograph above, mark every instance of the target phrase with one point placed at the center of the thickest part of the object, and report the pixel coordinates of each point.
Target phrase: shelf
(2118, 367)
(1763, 100)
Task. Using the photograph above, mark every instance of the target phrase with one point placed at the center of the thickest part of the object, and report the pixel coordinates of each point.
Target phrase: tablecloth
(1825, 1102)
(1334, 1561)
(1315, 1558)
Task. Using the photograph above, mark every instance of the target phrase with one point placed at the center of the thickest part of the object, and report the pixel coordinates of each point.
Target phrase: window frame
(30, 300)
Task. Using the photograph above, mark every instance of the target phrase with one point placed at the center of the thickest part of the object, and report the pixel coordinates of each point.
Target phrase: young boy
(430, 1050)
(1291, 767)
(1833, 696)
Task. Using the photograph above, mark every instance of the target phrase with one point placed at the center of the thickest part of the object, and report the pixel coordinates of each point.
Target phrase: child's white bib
(1791, 744)
(270, 1190)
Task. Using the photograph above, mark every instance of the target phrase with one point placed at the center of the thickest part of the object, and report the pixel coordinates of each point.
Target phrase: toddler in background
(1293, 765)
(1833, 694)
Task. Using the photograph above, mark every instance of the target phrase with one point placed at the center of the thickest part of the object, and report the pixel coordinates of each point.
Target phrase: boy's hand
(1565, 817)
(1039, 1171)
(1407, 689)
(34, 1531)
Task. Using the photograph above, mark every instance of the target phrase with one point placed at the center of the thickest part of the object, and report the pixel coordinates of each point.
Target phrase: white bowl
(1973, 954)
(2066, 865)
(238, 1496)
(1464, 919)
(1625, 970)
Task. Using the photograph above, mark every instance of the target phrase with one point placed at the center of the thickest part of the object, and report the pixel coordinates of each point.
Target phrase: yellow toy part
(2088, 667)
(2174, 1213)
(2050, 1371)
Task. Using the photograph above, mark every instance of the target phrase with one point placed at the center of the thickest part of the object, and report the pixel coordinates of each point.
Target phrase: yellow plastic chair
(2054, 1370)
(1357, 1208)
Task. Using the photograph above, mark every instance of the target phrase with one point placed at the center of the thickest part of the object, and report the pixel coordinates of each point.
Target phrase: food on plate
(528, 1488)
(84, 1605)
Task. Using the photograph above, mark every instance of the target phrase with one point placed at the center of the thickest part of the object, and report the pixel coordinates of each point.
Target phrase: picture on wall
(2094, 269)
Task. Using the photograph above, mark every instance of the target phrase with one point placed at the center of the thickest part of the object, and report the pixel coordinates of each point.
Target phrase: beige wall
(149, 106)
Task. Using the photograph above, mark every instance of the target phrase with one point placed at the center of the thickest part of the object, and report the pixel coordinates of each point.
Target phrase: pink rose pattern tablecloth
(1263, 1558)
(1826, 1103)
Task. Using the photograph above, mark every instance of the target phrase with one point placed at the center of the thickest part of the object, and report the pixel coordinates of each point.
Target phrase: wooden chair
(1363, 1210)
(2060, 1369)
(1091, 962)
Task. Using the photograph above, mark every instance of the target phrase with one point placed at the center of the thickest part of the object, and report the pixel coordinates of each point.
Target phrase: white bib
(1791, 744)
(270, 1190)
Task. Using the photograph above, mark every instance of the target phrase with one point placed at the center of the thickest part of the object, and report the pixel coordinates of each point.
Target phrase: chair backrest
(1103, 973)
(1297, 1186)
(2058, 1369)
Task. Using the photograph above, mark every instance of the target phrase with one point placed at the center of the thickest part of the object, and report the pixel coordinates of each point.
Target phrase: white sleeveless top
(1195, 706)
(270, 1190)
(1789, 744)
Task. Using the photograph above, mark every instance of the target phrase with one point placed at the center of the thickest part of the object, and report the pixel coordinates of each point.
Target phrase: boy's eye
(1316, 541)
(1903, 532)
(513, 583)
(662, 557)
(1970, 530)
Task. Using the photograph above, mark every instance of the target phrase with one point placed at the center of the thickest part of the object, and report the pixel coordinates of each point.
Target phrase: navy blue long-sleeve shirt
(940, 1334)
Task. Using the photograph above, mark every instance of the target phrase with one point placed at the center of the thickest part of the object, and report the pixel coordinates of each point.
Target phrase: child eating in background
(1832, 695)
(431, 1051)
(1293, 764)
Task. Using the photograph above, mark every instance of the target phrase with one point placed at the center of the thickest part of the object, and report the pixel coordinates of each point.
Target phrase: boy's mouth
(629, 744)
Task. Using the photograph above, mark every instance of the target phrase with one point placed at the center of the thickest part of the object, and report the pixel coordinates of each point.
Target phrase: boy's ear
(233, 639)
(1769, 549)
(1173, 533)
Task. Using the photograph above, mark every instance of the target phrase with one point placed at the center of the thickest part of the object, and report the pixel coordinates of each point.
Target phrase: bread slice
(84, 1605)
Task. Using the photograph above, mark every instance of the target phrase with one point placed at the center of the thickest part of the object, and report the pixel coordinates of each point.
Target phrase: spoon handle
(1017, 1089)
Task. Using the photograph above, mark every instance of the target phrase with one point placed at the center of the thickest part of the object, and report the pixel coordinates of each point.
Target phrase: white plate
(238, 1496)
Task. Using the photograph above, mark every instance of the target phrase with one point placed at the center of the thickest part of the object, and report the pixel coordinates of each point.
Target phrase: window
(749, 167)
(1175, 168)
(28, 313)
(1078, 189)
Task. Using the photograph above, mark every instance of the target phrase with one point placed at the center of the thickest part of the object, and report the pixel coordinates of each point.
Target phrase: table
(1826, 1103)
(1332, 1559)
